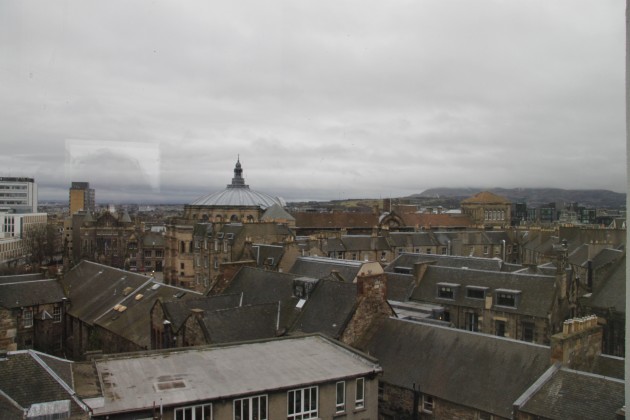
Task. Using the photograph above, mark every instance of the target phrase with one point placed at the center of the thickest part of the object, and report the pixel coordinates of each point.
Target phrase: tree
(41, 242)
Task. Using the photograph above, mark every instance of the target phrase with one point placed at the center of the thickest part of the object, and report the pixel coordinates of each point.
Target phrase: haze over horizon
(152, 102)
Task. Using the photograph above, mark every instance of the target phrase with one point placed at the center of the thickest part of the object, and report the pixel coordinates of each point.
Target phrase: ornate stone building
(487, 210)
(236, 204)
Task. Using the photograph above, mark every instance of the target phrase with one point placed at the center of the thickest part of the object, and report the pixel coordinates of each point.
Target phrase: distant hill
(534, 196)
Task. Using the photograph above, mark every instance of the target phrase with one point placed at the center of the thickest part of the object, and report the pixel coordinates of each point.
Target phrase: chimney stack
(579, 343)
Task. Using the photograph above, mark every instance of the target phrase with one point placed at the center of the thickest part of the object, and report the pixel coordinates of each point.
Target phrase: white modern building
(18, 195)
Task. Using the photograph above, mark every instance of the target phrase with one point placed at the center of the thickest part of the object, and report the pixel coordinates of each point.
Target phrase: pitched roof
(178, 310)
(134, 323)
(408, 260)
(335, 220)
(486, 197)
(320, 267)
(536, 298)
(570, 394)
(328, 309)
(93, 289)
(611, 292)
(27, 378)
(251, 322)
(436, 221)
(399, 286)
(30, 293)
(21, 277)
(262, 286)
(276, 212)
(475, 370)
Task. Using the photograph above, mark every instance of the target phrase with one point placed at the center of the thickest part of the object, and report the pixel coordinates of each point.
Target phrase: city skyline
(321, 101)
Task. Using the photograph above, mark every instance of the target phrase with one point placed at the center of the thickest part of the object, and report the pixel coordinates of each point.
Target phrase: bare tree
(41, 243)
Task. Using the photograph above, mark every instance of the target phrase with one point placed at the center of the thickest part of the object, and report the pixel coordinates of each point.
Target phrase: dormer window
(229, 236)
(473, 292)
(447, 290)
(506, 297)
(220, 235)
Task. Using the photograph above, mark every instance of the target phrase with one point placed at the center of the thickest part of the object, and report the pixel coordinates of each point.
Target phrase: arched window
(182, 247)
(234, 218)
(250, 218)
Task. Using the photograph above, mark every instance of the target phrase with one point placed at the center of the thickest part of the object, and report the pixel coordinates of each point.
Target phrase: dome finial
(238, 181)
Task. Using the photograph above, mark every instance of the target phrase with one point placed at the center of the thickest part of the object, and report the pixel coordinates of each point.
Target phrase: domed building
(216, 228)
(236, 203)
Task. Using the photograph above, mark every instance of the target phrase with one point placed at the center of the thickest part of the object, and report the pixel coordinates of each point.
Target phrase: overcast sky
(152, 101)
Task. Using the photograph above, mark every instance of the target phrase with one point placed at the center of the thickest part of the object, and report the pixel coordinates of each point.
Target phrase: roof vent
(139, 296)
(127, 290)
(122, 308)
(155, 286)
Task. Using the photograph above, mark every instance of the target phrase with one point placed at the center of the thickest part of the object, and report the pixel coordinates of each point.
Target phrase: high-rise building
(18, 195)
(81, 197)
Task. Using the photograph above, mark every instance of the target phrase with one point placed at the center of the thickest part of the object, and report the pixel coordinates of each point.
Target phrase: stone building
(237, 203)
(487, 210)
(31, 314)
(101, 238)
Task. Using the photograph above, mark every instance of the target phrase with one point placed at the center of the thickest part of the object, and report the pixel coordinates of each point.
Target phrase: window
(159, 253)
(428, 250)
(485, 249)
(475, 293)
(147, 253)
(194, 412)
(253, 408)
(360, 393)
(28, 318)
(485, 416)
(446, 290)
(340, 404)
(472, 321)
(302, 403)
(528, 331)
(443, 250)
(427, 403)
(499, 327)
(57, 314)
(507, 297)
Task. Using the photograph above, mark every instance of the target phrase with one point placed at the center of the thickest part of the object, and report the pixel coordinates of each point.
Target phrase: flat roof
(138, 381)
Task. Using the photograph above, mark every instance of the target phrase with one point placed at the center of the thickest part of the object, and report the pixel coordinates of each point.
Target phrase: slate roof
(607, 365)
(267, 255)
(399, 286)
(262, 286)
(252, 322)
(134, 323)
(276, 212)
(178, 310)
(27, 379)
(570, 394)
(30, 293)
(319, 267)
(412, 239)
(364, 243)
(21, 277)
(611, 293)
(329, 308)
(407, 260)
(475, 370)
(607, 256)
(93, 289)
(537, 293)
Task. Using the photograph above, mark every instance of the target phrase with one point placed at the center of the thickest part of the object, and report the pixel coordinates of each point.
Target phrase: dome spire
(238, 181)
